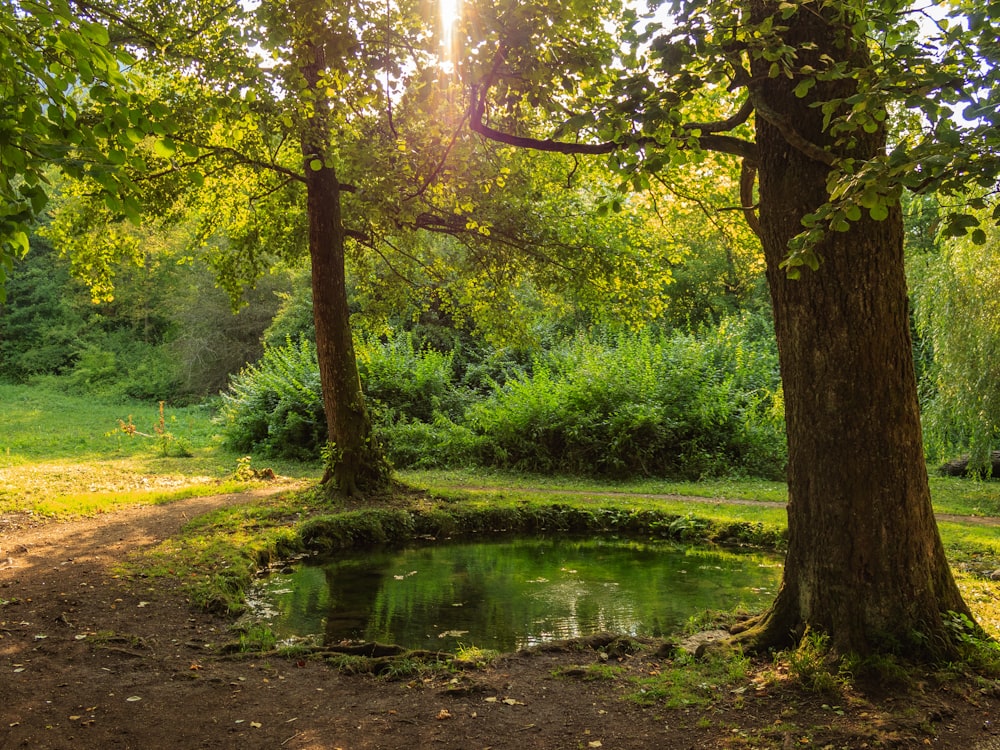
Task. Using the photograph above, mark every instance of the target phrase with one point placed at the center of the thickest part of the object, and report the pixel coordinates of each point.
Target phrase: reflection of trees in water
(348, 606)
(508, 594)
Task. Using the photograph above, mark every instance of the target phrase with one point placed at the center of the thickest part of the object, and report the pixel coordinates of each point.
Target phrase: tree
(246, 137)
(342, 105)
(65, 101)
(811, 86)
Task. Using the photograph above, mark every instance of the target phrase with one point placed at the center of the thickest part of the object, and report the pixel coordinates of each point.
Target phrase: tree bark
(865, 563)
(356, 464)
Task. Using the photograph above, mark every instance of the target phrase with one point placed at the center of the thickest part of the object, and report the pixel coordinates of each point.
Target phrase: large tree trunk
(356, 464)
(865, 563)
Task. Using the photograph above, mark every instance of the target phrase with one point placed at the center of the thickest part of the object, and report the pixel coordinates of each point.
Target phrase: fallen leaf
(134, 698)
(443, 714)
(195, 666)
(75, 718)
(143, 604)
(491, 699)
(512, 702)
(595, 743)
(255, 724)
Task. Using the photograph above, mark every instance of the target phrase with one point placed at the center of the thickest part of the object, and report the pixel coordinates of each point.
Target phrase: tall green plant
(649, 403)
(957, 302)
(275, 406)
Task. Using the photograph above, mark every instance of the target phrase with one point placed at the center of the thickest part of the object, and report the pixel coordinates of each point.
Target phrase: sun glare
(450, 14)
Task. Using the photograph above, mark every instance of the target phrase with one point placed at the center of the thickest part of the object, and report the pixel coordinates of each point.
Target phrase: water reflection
(510, 593)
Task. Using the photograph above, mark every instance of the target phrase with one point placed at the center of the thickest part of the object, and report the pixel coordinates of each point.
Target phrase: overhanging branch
(711, 141)
(708, 139)
(477, 125)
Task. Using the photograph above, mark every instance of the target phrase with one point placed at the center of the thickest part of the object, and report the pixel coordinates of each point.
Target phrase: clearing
(89, 659)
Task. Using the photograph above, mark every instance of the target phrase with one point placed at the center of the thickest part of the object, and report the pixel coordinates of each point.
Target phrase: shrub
(441, 444)
(275, 406)
(403, 383)
(661, 404)
(645, 403)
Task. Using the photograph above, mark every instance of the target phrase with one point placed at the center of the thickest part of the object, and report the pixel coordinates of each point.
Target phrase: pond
(509, 593)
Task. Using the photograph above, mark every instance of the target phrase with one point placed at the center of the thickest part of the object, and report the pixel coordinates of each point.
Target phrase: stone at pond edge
(696, 644)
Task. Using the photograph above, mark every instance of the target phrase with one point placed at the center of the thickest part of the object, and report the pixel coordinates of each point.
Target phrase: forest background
(676, 378)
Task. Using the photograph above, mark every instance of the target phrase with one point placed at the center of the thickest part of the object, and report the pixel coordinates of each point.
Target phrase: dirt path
(89, 660)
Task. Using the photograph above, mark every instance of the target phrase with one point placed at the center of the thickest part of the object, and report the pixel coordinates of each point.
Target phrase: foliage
(274, 406)
(67, 102)
(167, 334)
(958, 313)
(407, 384)
(43, 317)
(655, 405)
(675, 405)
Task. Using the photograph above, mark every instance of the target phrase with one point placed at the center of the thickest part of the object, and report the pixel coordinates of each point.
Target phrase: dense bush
(655, 404)
(404, 384)
(676, 405)
(275, 406)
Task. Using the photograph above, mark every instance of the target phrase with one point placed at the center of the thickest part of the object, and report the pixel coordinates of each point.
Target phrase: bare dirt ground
(91, 660)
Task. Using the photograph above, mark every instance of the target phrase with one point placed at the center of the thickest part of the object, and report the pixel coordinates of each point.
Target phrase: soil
(91, 659)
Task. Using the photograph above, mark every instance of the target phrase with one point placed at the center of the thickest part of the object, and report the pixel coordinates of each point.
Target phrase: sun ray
(450, 13)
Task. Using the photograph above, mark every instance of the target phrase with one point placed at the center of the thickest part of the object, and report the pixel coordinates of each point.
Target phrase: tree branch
(477, 125)
(748, 175)
(709, 140)
(721, 126)
(789, 133)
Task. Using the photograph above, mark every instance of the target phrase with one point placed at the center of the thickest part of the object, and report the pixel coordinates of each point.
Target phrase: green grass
(486, 479)
(64, 455)
(953, 495)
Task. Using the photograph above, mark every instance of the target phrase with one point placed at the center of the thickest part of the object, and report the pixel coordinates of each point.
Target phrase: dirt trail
(89, 660)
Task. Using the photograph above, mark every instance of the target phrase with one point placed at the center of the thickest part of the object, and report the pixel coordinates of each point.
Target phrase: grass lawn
(64, 455)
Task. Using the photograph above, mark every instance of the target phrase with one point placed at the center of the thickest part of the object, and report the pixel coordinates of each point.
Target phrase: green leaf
(133, 211)
(802, 89)
(19, 241)
(315, 164)
(164, 148)
(879, 212)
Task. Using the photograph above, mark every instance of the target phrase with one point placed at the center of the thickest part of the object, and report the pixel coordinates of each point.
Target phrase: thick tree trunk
(356, 464)
(865, 563)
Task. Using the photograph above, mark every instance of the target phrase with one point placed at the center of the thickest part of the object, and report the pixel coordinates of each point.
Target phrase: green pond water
(510, 593)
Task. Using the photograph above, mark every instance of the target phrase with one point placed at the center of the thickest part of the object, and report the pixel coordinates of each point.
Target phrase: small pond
(509, 593)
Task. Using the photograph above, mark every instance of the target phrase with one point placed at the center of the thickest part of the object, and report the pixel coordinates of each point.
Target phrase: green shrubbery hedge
(663, 404)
